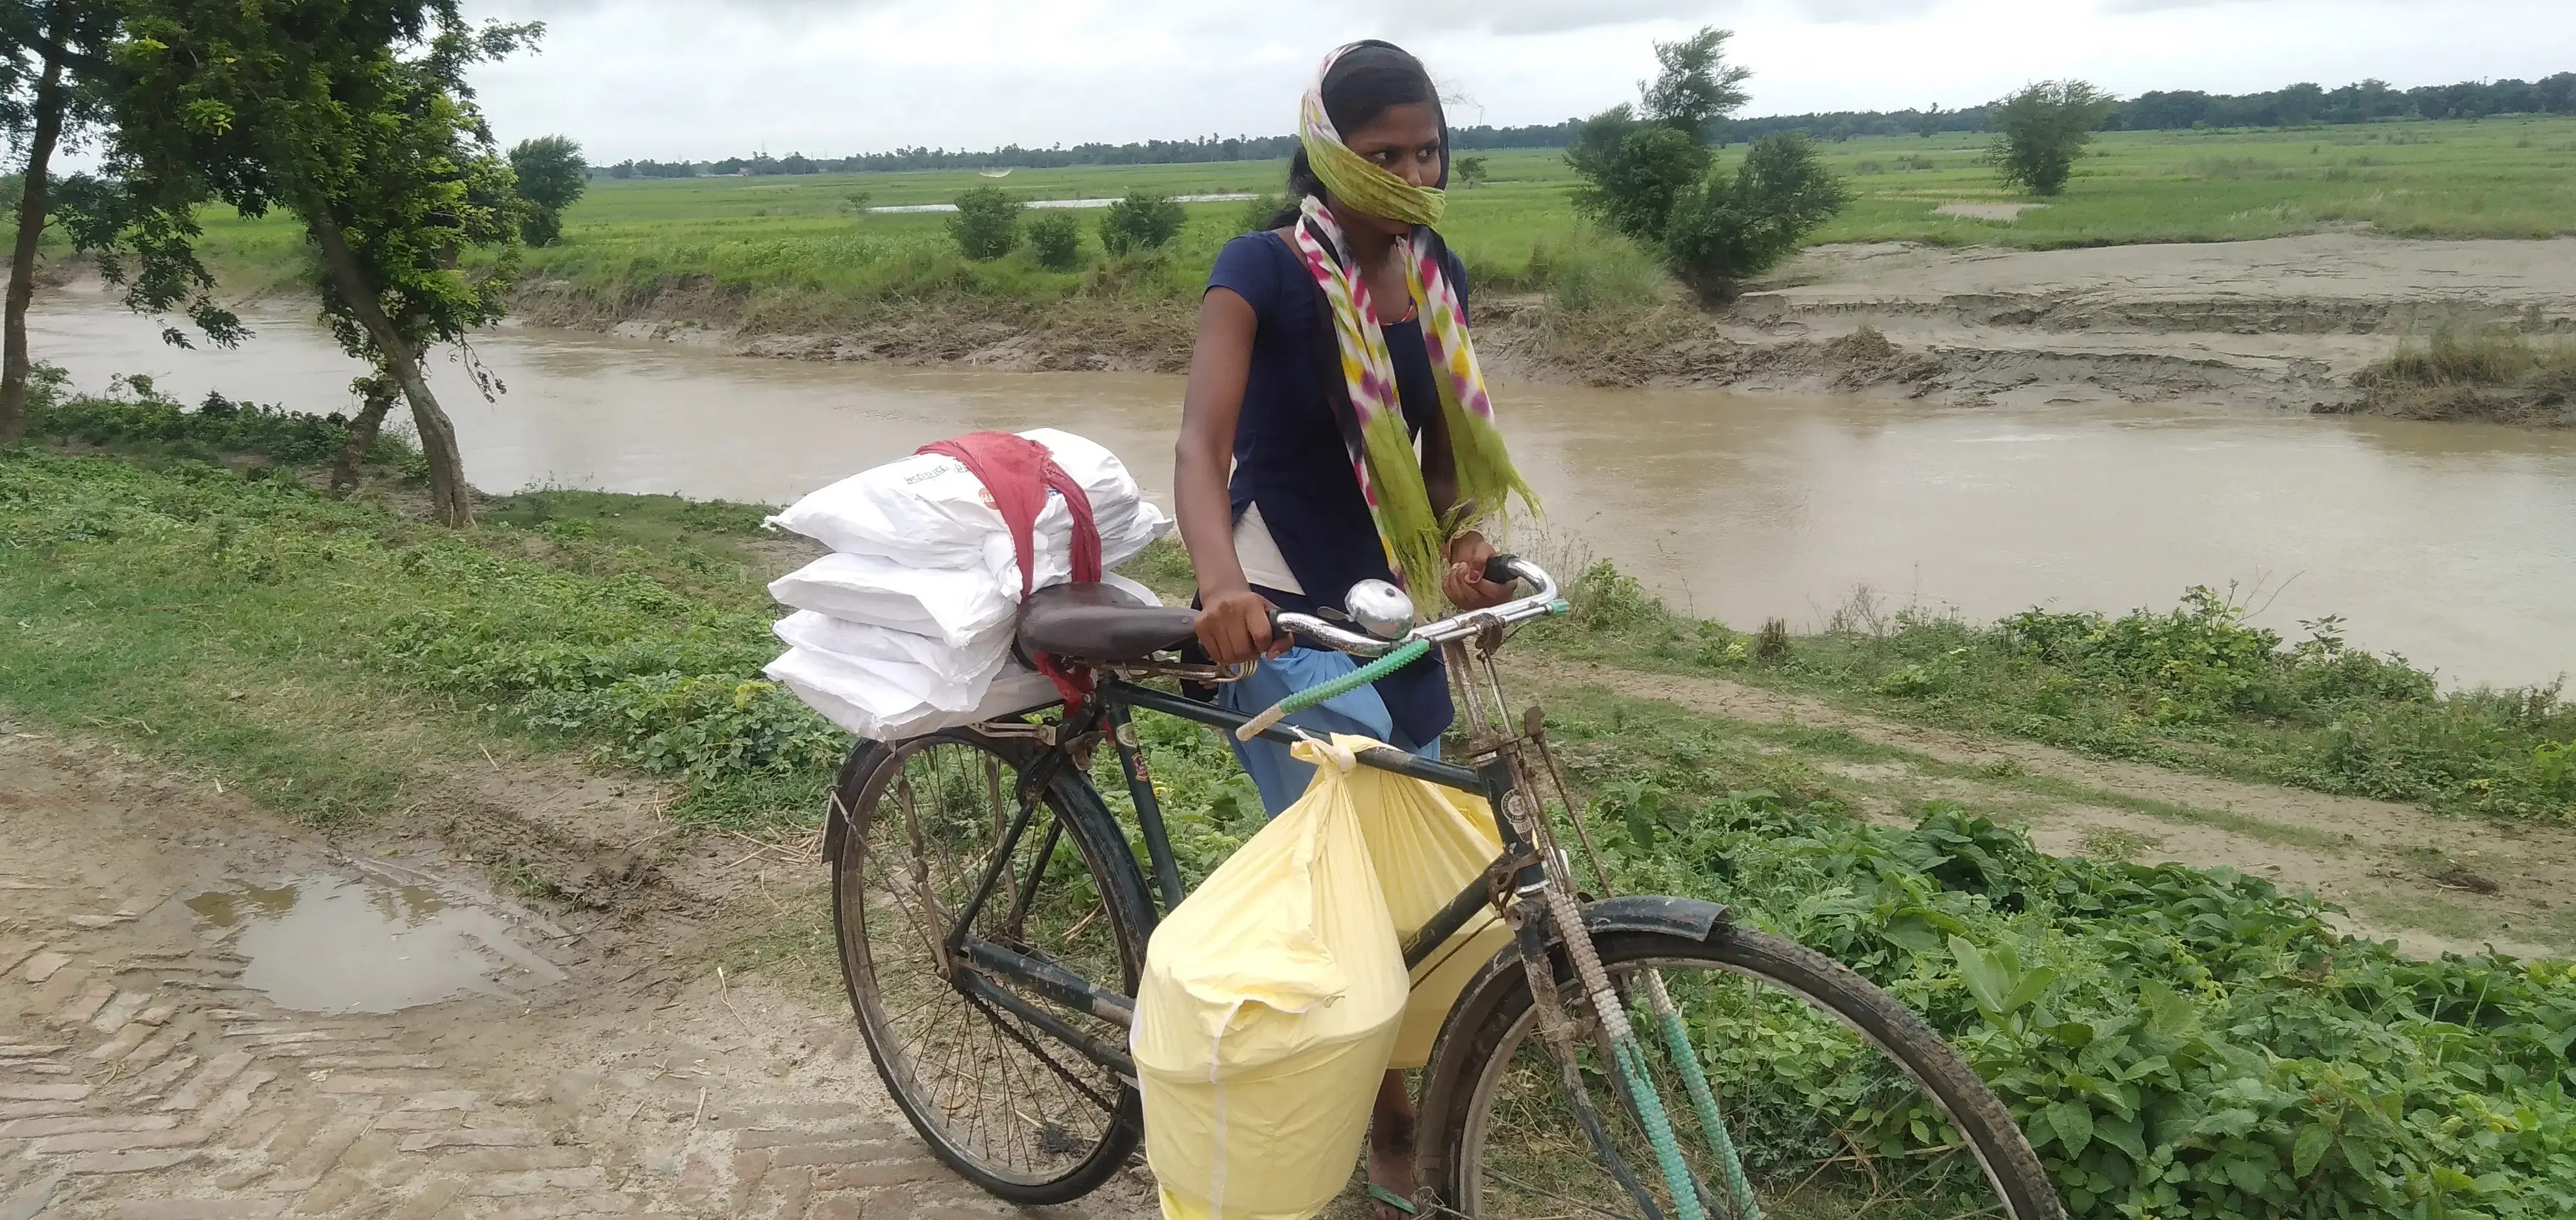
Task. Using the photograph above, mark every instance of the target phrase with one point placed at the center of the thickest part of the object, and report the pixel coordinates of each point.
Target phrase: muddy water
(365, 943)
(2453, 544)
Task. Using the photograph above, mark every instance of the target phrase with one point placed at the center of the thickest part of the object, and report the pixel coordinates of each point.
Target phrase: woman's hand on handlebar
(1465, 585)
(1234, 626)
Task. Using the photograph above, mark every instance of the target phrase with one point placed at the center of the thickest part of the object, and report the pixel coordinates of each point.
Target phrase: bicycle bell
(1381, 609)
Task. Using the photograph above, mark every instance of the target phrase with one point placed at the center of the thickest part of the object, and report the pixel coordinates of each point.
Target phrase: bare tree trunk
(448, 494)
(377, 395)
(14, 361)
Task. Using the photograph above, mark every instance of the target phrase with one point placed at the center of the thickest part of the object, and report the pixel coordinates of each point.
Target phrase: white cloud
(709, 78)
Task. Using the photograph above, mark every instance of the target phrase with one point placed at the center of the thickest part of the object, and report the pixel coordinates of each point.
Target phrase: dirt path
(2434, 883)
(160, 1056)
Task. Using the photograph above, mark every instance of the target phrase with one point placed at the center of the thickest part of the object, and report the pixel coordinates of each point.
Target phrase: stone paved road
(143, 1075)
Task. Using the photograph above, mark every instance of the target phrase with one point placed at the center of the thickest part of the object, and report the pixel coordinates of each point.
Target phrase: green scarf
(1382, 453)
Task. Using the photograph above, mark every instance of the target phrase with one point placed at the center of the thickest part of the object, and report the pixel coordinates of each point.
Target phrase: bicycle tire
(1496, 1018)
(860, 795)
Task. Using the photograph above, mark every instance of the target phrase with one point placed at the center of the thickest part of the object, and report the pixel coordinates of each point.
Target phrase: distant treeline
(2296, 106)
(1150, 152)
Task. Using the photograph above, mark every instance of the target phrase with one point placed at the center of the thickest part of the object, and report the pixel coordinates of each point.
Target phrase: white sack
(979, 660)
(956, 606)
(866, 703)
(928, 510)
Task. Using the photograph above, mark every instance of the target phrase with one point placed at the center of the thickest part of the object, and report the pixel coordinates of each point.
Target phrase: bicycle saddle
(1098, 622)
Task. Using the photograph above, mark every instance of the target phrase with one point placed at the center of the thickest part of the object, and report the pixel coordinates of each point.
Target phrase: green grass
(2493, 178)
(2459, 374)
(2193, 688)
(801, 251)
(2181, 1034)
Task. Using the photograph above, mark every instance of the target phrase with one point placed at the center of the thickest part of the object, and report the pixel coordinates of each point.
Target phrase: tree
(355, 115)
(56, 78)
(1056, 238)
(551, 176)
(1697, 87)
(987, 222)
(1631, 183)
(1469, 171)
(1647, 172)
(2040, 130)
(1141, 221)
(1724, 231)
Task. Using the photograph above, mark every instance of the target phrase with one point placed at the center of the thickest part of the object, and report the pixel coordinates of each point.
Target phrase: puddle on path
(339, 944)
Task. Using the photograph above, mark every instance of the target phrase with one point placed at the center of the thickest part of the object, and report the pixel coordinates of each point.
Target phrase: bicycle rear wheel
(1838, 1101)
(999, 1098)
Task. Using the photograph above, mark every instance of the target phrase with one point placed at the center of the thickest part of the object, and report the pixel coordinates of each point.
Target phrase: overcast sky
(700, 79)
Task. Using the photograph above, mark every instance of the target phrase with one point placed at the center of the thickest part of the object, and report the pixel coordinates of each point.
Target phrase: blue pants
(1281, 778)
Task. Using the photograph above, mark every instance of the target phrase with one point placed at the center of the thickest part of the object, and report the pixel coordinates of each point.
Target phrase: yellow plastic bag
(1276, 996)
(1428, 842)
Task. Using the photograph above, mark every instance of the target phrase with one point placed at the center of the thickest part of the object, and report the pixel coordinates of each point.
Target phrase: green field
(806, 247)
(2193, 1043)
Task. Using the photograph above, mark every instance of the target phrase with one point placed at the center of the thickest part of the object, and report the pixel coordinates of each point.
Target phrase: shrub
(1056, 239)
(2470, 358)
(550, 176)
(987, 222)
(1771, 645)
(135, 415)
(1467, 172)
(2040, 130)
(1722, 232)
(1259, 210)
(1634, 172)
(1141, 221)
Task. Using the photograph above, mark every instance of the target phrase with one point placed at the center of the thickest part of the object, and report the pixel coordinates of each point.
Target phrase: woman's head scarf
(1381, 447)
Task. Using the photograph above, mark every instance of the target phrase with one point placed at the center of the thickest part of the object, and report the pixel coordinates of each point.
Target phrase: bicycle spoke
(989, 1089)
(1820, 1115)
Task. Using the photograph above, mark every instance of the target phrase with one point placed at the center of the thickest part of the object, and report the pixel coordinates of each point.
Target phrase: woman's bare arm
(1234, 622)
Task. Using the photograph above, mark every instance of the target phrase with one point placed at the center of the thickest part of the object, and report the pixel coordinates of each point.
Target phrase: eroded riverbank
(2284, 323)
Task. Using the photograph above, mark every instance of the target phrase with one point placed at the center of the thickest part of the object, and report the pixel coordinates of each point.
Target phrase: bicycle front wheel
(1837, 1100)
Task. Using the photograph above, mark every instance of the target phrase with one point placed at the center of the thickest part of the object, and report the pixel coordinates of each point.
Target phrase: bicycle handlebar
(1541, 603)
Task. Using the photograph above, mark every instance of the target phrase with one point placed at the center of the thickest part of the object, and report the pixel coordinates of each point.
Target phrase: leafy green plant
(1606, 598)
(135, 416)
(1056, 239)
(1260, 210)
(986, 225)
(1141, 221)
(1634, 173)
(1722, 231)
(551, 177)
(2041, 129)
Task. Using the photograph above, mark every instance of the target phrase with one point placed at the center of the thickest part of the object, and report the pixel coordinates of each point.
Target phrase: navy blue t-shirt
(1290, 459)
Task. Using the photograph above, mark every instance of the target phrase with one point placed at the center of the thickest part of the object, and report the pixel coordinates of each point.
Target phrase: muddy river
(2454, 544)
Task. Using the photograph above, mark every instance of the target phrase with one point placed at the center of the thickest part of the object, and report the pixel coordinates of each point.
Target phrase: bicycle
(992, 920)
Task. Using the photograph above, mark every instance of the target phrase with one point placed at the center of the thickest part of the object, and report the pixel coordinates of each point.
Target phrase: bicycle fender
(1684, 917)
(845, 786)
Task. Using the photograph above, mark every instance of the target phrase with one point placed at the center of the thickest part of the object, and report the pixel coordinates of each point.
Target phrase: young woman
(1329, 347)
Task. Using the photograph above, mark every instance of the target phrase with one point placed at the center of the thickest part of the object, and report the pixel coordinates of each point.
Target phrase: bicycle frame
(1107, 712)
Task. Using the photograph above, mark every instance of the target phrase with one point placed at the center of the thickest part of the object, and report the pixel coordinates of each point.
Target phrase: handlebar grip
(1498, 570)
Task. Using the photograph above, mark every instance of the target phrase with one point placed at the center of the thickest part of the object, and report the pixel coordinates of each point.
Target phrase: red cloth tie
(1017, 473)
